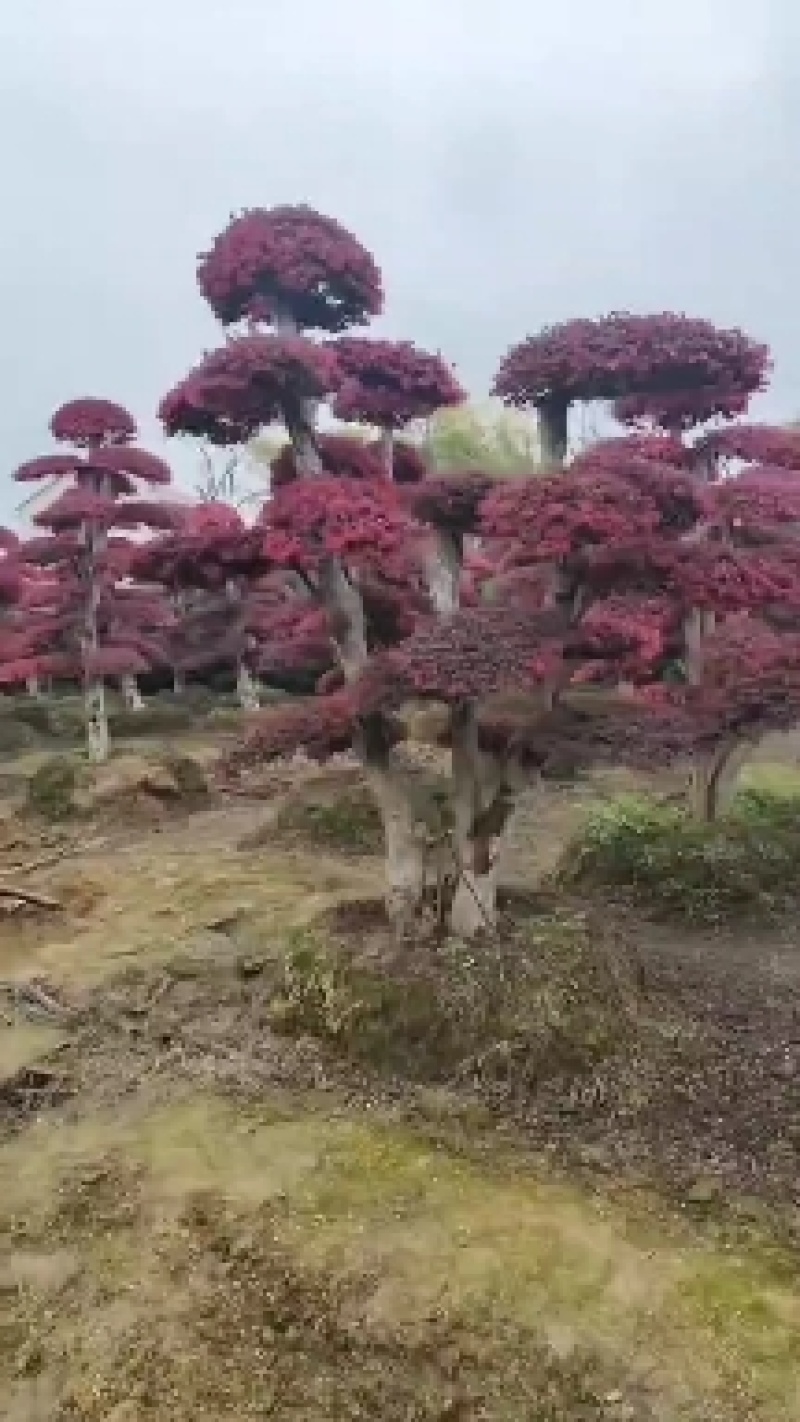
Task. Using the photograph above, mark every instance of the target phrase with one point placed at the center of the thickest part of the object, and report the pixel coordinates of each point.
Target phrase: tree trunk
(97, 739)
(33, 687)
(131, 695)
(247, 689)
(713, 781)
(405, 843)
(178, 682)
(387, 453)
(553, 430)
(482, 806)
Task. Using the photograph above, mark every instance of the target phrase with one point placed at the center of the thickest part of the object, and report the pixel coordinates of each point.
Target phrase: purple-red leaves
(321, 726)
(554, 518)
(472, 654)
(654, 448)
(681, 410)
(362, 522)
(271, 264)
(136, 463)
(622, 355)
(48, 466)
(89, 423)
(74, 508)
(451, 501)
(754, 444)
(247, 384)
(343, 457)
(391, 383)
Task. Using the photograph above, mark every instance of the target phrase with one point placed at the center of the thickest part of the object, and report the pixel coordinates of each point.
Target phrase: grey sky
(509, 163)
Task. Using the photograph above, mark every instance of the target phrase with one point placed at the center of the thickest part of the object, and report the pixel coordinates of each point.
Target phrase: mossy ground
(221, 1223)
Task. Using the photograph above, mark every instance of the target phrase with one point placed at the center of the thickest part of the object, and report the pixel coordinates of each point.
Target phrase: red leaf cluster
(628, 637)
(48, 466)
(679, 410)
(76, 507)
(343, 457)
(322, 726)
(89, 423)
(758, 503)
(623, 355)
(270, 263)
(249, 383)
(750, 683)
(555, 518)
(451, 502)
(391, 383)
(307, 522)
(472, 654)
(607, 454)
(754, 444)
(135, 463)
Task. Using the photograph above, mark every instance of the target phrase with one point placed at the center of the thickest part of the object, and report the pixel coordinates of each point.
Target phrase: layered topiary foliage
(588, 589)
(79, 615)
(647, 360)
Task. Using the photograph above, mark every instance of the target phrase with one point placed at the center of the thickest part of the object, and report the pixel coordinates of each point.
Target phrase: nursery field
(256, 1162)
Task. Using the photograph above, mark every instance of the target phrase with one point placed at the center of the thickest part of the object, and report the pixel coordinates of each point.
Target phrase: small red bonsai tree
(207, 564)
(646, 361)
(87, 621)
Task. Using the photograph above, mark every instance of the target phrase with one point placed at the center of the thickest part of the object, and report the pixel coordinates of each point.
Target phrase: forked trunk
(553, 430)
(481, 808)
(97, 739)
(713, 781)
(131, 695)
(247, 689)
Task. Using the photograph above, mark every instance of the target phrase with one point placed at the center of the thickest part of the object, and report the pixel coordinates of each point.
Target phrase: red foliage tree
(290, 265)
(593, 575)
(650, 358)
(86, 620)
(208, 563)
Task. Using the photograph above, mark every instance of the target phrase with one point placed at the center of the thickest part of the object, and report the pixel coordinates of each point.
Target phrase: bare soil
(208, 1210)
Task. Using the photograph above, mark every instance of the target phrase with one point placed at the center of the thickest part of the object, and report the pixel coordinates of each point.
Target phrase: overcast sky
(509, 163)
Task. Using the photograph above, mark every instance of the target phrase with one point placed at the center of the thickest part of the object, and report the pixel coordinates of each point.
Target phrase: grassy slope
(124, 1235)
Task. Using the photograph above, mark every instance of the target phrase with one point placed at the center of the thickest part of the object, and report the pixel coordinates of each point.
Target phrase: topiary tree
(207, 564)
(578, 599)
(659, 363)
(86, 621)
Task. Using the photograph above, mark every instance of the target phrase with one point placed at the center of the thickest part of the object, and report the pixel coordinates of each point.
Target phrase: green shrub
(52, 787)
(658, 858)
